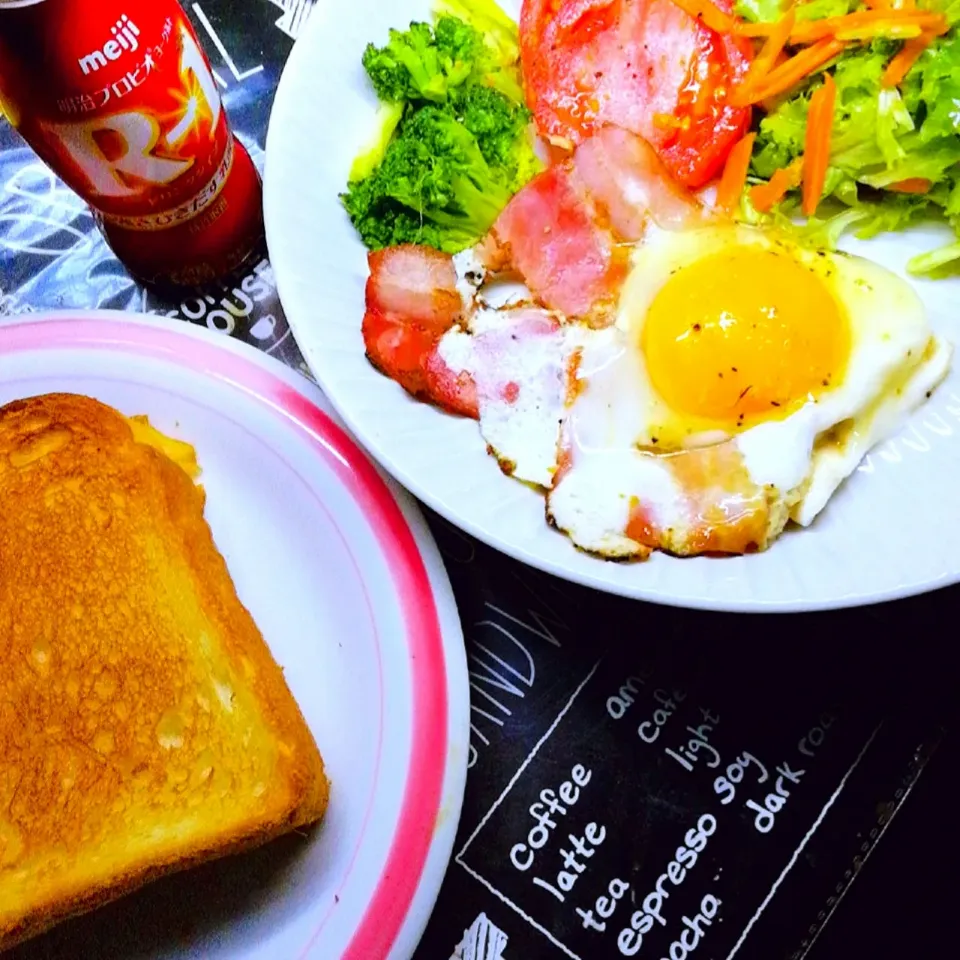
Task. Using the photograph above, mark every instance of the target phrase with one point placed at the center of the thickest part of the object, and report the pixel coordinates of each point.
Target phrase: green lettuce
(880, 136)
(767, 11)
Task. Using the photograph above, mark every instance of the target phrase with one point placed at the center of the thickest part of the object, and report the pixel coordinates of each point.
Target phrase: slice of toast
(144, 725)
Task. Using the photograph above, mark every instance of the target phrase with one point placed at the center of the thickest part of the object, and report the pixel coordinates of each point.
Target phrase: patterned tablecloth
(643, 781)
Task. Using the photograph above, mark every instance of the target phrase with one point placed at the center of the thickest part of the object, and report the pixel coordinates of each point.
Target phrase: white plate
(892, 530)
(343, 578)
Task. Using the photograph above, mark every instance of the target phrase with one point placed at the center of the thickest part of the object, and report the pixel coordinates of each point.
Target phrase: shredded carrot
(765, 196)
(769, 104)
(757, 31)
(789, 73)
(769, 54)
(864, 24)
(877, 23)
(890, 4)
(909, 53)
(734, 175)
(881, 31)
(911, 185)
(816, 149)
(709, 15)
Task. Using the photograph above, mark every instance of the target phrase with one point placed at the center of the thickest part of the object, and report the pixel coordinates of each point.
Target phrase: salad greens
(767, 11)
(453, 140)
(885, 140)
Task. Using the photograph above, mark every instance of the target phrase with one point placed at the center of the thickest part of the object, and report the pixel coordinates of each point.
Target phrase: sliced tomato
(644, 65)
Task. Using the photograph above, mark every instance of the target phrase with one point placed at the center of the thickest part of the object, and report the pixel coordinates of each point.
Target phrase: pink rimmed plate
(341, 574)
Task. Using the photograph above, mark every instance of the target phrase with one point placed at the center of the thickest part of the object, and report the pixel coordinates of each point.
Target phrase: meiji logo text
(126, 32)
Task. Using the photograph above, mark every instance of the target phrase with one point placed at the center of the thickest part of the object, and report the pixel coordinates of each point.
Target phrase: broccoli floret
(500, 38)
(485, 16)
(459, 43)
(501, 128)
(384, 222)
(437, 166)
(424, 64)
(437, 170)
(407, 66)
(453, 142)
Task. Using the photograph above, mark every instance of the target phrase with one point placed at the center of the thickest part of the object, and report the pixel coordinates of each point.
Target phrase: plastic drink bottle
(117, 97)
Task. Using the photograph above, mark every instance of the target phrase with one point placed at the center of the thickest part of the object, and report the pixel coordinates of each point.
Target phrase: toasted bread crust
(144, 725)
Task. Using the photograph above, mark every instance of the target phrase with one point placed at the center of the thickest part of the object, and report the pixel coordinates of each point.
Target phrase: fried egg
(743, 381)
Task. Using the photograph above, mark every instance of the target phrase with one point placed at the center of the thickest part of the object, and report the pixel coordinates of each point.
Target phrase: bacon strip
(411, 301)
(564, 233)
(415, 284)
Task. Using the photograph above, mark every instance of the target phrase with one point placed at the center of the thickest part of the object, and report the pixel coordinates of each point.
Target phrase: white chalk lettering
(649, 730)
(630, 939)
(776, 800)
(625, 697)
(604, 906)
(541, 630)
(546, 813)
(725, 787)
(690, 937)
(503, 664)
(572, 867)
(815, 736)
(688, 754)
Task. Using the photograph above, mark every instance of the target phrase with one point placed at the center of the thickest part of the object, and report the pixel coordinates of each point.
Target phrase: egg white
(508, 346)
(591, 389)
(798, 460)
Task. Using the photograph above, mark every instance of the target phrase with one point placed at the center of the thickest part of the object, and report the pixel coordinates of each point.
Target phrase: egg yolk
(744, 334)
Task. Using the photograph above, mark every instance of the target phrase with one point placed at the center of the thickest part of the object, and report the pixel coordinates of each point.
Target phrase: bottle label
(185, 211)
(120, 100)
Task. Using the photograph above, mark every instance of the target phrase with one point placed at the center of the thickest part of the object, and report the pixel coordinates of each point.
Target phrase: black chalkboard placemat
(656, 783)
(643, 781)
